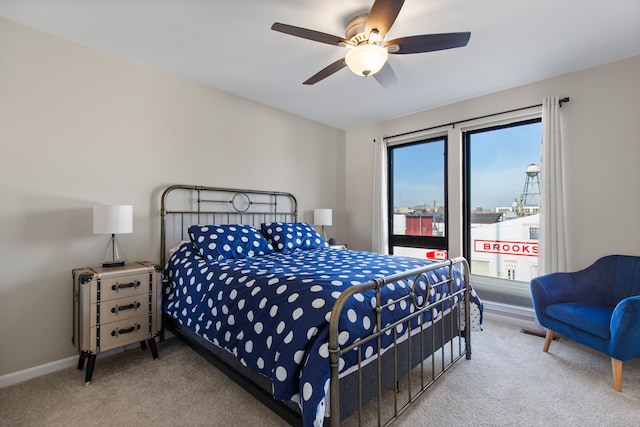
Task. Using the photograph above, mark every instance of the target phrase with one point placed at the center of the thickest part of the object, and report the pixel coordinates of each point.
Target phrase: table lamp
(322, 217)
(113, 219)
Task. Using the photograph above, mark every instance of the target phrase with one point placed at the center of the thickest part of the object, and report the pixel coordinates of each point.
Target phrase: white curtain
(552, 255)
(379, 232)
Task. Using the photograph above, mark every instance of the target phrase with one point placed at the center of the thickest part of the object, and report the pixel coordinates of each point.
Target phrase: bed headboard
(185, 205)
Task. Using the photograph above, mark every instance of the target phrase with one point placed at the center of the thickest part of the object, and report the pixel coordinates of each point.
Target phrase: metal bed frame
(438, 343)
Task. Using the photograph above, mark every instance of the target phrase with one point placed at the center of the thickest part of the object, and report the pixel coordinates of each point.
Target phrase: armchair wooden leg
(547, 340)
(617, 374)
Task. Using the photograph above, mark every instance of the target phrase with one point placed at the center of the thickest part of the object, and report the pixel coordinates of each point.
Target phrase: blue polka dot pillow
(287, 236)
(229, 241)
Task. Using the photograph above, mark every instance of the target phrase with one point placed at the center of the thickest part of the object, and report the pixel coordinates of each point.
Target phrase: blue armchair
(598, 307)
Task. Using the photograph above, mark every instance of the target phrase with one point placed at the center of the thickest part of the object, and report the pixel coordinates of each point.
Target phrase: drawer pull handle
(118, 308)
(117, 331)
(116, 287)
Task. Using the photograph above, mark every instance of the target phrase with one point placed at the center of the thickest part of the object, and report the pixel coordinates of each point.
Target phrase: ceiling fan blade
(326, 72)
(382, 16)
(386, 77)
(309, 34)
(427, 43)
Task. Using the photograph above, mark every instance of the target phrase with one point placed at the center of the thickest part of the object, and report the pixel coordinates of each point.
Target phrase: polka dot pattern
(233, 241)
(272, 311)
(288, 236)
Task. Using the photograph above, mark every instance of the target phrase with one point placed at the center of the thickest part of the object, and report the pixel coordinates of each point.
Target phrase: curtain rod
(453, 124)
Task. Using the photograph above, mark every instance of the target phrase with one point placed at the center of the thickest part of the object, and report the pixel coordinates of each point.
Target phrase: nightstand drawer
(122, 286)
(119, 309)
(122, 332)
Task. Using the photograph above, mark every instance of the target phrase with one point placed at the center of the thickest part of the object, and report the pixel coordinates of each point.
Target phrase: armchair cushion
(591, 318)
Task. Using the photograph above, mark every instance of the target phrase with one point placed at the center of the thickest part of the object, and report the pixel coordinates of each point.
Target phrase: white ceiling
(229, 45)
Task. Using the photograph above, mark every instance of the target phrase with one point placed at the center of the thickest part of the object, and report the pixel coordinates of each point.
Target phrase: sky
(499, 160)
(419, 177)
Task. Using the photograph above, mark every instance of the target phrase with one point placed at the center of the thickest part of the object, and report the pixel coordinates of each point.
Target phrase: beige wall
(601, 127)
(79, 127)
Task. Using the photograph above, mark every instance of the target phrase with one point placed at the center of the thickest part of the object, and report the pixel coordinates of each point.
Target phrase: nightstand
(114, 307)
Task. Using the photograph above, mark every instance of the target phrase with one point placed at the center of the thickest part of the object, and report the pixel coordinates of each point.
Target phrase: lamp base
(113, 254)
(109, 264)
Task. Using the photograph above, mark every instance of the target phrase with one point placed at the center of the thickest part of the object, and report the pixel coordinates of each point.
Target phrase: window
(502, 200)
(417, 199)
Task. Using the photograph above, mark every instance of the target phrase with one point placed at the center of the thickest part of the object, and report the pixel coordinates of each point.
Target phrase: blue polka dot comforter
(272, 311)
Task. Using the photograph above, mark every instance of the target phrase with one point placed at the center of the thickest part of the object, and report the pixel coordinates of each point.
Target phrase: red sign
(436, 255)
(506, 247)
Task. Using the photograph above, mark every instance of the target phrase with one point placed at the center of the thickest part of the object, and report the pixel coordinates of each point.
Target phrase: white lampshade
(366, 59)
(113, 219)
(322, 216)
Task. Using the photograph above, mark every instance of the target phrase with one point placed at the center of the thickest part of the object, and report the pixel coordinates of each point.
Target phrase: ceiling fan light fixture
(366, 59)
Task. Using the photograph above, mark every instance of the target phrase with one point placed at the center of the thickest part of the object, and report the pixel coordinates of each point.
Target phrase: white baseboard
(36, 371)
(523, 317)
(47, 368)
(57, 365)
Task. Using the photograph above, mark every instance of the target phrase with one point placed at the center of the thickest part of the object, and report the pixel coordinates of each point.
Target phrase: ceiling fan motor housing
(355, 29)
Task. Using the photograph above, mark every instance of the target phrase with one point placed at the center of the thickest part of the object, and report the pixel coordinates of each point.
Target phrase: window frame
(408, 241)
(496, 289)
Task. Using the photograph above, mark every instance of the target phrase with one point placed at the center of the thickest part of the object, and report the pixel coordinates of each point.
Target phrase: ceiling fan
(368, 49)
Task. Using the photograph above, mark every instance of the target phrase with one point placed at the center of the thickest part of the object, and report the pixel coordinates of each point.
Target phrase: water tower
(531, 193)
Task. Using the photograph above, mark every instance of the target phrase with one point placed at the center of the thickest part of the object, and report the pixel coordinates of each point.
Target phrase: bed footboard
(437, 343)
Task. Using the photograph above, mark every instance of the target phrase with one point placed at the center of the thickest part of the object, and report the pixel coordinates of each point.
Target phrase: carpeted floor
(508, 382)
